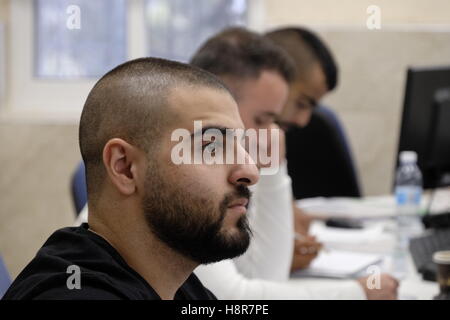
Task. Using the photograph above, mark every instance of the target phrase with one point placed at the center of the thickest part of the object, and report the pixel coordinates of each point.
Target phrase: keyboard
(423, 247)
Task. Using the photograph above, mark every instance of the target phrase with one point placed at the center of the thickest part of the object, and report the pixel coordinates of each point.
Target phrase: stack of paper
(339, 264)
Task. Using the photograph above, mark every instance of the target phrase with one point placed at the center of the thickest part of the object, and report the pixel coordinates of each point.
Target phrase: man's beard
(191, 223)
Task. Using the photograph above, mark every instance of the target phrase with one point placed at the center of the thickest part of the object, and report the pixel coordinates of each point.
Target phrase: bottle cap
(442, 257)
(408, 156)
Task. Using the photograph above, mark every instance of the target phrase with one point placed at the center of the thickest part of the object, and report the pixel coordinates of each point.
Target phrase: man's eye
(302, 105)
(211, 146)
(261, 122)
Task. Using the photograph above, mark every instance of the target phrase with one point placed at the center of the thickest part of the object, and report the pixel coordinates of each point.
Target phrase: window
(43, 48)
(78, 38)
(176, 28)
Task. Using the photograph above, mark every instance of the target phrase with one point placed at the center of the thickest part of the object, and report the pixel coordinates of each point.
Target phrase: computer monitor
(425, 126)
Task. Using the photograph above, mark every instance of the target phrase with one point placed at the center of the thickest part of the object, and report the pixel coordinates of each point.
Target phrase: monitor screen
(425, 126)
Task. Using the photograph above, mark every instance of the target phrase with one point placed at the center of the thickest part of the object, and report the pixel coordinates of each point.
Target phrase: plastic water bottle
(408, 193)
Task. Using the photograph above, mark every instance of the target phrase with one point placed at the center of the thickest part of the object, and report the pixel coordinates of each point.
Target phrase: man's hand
(306, 249)
(387, 291)
(302, 220)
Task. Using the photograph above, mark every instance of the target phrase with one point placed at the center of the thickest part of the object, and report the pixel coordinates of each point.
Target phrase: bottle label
(408, 195)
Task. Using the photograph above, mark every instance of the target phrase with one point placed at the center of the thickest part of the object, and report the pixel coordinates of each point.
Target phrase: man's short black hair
(241, 54)
(131, 102)
(292, 39)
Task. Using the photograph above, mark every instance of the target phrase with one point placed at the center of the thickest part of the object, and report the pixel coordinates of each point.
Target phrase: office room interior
(393, 62)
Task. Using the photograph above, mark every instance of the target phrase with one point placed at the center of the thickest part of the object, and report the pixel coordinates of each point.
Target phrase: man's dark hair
(131, 102)
(241, 54)
(301, 44)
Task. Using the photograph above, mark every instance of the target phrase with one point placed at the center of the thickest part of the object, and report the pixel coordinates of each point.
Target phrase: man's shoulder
(73, 264)
(193, 289)
(61, 286)
(89, 293)
(78, 284)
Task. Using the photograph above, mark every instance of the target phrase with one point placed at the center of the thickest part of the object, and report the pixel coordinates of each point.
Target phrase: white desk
(378, 240)
(377, 209)
(413, 287)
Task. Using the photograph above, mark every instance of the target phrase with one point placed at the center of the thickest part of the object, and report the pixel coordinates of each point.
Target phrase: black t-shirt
(104, 273)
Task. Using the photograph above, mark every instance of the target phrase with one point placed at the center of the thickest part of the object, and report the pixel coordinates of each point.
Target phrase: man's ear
(121, 161)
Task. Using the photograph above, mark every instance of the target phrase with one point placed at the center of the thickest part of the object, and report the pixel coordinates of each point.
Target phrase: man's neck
(164, 269)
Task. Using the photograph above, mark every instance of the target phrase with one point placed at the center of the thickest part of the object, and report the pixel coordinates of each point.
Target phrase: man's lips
(239, 205)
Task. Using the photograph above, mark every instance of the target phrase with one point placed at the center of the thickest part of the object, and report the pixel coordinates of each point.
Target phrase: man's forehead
(314, 85)
(304, 90)
(198, 94)
(210, 105)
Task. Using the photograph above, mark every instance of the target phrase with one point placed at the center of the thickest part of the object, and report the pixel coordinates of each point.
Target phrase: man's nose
(246, 173)
(302, 118)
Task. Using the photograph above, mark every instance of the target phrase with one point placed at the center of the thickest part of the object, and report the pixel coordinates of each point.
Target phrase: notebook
(339, 264)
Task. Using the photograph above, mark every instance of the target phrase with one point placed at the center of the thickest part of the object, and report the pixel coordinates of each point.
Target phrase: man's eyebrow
(221, 129)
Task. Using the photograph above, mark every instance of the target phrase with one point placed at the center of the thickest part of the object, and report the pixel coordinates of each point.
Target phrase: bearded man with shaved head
(151, 221)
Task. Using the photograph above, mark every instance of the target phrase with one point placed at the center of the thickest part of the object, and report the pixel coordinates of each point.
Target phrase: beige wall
(353, 12)
(37, 162)
(4, 7)
(369, 98)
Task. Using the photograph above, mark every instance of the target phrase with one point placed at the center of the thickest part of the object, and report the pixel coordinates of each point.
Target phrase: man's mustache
(286, 125)
(241, 191)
